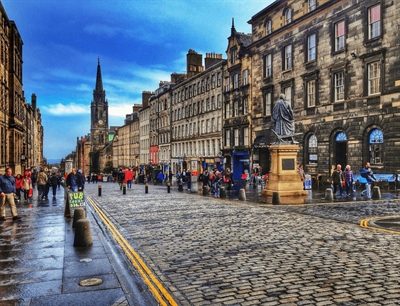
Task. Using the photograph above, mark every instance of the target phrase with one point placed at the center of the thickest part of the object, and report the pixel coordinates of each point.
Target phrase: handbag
(344, 183)
(30, 193)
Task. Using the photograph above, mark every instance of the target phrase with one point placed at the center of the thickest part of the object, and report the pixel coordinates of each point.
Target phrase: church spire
(99, 81)
(99, 95)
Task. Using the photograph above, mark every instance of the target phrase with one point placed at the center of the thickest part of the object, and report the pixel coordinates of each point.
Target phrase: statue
(282, 117)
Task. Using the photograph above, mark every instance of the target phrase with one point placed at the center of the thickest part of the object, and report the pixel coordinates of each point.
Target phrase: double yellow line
(157, 289)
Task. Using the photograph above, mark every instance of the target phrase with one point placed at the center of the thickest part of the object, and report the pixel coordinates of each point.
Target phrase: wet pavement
(180, 248)
(40, 266)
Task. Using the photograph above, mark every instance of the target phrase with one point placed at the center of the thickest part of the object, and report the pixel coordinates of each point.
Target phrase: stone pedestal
(284, 178)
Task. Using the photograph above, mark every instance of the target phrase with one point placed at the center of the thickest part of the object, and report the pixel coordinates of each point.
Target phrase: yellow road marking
(364, 223)
(160, 293)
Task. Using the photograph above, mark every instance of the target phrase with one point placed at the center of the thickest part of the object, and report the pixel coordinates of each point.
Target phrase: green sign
(75, 200)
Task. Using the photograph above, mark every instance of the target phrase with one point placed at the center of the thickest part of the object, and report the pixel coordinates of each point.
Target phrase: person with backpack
(367, 173)
(337, 179)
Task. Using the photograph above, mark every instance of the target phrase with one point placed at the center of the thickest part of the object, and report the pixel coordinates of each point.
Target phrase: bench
(384, 180)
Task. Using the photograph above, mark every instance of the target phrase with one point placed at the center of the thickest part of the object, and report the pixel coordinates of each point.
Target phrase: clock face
(100, 121)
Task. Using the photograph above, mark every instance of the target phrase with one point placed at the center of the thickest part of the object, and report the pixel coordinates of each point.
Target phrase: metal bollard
(124, 188)
(329, 194)
(222, 192)
(242, 194)
(79, 213)
(146, 188)
(169, 187)
(83, 235)
(99, 189)
(376, 193)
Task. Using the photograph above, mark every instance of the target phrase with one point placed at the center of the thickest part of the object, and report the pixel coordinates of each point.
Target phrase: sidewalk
(40, 266)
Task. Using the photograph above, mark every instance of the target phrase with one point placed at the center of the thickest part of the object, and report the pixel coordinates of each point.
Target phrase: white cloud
(65, 110)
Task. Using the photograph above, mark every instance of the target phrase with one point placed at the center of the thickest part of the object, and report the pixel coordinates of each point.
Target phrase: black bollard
(146, 188)
(99, 189)
(124, 188)
(168, 187)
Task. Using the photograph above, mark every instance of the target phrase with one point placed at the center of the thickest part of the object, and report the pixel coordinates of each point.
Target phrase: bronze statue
(283, 120)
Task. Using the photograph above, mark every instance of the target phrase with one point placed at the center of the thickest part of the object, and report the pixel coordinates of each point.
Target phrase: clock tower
(98, 123)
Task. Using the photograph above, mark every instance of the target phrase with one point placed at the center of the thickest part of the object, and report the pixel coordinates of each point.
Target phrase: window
(268, 27)
(374, 78)
(236, 137)
(288, 16)
(376, 146)
(213, 103)
(267, 103)
(268, 66)
(311, 93)
(208, 104)
(246, 77)
(236, 108)
(288, 94)
(340, 33)
(219, 101)
(227, 114)
(246, 136)
(312, 150)
(227, 84)
(374, 22)
(312, 5)
(219, 79)
(287, 57)
(311, 48)
(213, 127)
(339, 87)
(227, 138)
(245, 106)
(233, 56)
(235, 81)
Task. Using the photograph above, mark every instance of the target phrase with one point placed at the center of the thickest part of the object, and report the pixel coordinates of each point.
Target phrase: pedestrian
(74, 181)
(228, 178)
(367, 173)
(217, 184)
(7, 195)
(337, 179)
(54, 181)
(33, 179)
(204, 177)
(41, 180)
(160, 177)
(27, 186)
(129, 178)
(18, 185)
(348, 179)
(121, 177)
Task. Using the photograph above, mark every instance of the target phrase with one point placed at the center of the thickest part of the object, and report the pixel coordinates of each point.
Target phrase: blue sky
(139, 43)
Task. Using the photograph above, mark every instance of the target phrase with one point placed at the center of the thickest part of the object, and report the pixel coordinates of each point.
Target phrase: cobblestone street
(209, 251)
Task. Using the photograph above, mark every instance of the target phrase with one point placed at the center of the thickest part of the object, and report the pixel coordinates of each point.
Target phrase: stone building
(237, 147)
(338, 64)
(21, 130)
(196, 115)
(144, 125)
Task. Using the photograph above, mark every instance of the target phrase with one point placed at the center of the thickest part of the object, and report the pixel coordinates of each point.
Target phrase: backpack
(211, 177)
(364, 173)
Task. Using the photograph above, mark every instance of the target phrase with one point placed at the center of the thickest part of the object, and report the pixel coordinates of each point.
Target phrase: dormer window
(233, 55)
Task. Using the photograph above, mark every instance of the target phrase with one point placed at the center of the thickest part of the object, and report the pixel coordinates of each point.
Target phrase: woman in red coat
(18, 185)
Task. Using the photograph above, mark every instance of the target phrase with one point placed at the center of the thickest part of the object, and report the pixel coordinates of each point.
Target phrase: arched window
(288, 16)
(312, 149)
(376, 146)
(341, 137)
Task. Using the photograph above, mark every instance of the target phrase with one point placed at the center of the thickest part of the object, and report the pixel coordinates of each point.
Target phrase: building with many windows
(196, 115)
(337, 63)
